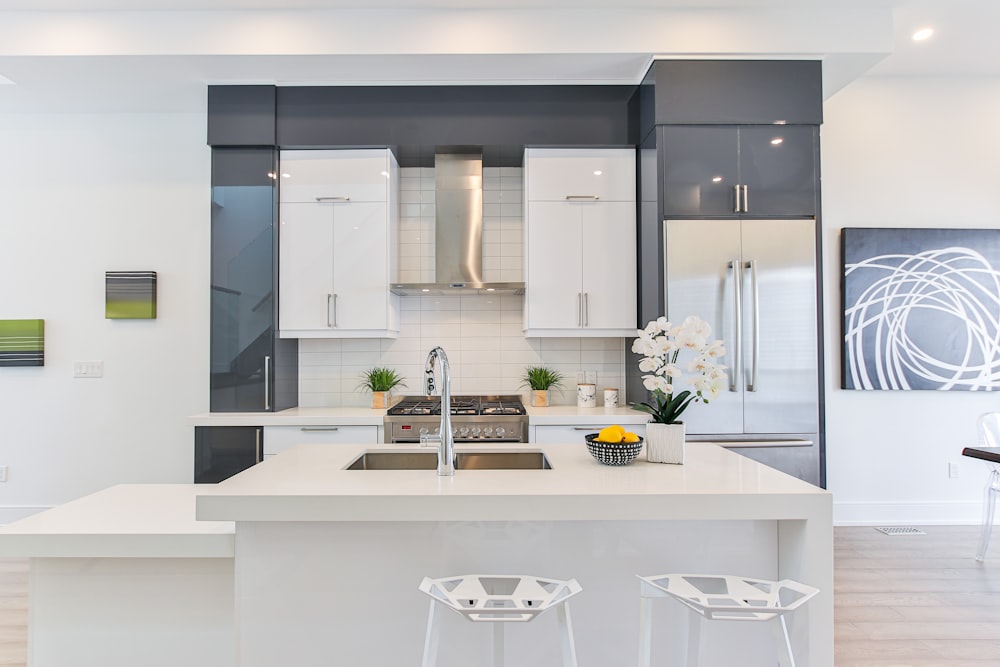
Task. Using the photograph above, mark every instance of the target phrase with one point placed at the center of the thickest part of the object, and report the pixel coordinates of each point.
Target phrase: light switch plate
(88, 369)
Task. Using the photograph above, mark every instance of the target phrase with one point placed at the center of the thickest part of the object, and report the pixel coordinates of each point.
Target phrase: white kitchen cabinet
(580, 268)
(570, 434)
(279, 438)
(338, 244)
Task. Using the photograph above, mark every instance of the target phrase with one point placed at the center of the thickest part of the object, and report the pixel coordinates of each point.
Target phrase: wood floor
(901, 600)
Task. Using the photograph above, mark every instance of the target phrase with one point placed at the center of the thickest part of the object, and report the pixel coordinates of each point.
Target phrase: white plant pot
(665, 443)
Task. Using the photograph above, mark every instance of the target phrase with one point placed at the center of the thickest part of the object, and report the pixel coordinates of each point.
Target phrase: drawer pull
(320, 428)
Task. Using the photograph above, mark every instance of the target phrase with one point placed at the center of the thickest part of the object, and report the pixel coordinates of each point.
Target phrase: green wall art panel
(22, 343)
(130, 295)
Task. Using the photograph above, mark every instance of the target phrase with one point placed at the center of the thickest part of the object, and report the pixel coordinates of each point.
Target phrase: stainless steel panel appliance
(754, 281)
(473, 419)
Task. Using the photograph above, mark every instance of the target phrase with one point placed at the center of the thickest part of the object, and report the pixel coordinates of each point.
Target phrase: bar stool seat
(499, 599)
(722, 597)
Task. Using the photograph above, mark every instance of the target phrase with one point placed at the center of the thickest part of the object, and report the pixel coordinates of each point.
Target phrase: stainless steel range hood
(458, 229)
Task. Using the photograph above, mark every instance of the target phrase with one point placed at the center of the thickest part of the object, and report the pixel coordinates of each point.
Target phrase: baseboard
(911, 514)
(10, 514)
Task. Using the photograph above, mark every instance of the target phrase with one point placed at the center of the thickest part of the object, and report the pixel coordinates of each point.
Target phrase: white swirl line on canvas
(955, 283)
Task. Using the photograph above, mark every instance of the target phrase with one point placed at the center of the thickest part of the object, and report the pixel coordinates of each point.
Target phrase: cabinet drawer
(554, 174)
(573, 434)
(279, 438)
(334, 175)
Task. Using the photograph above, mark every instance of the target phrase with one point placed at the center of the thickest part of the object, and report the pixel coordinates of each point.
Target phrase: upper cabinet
(580, 270)
(339, 220)
(756, 170)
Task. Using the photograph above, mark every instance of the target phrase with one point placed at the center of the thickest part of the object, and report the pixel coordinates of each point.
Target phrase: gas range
(473, 419)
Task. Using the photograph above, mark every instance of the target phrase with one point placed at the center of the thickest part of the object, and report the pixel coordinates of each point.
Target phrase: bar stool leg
(645, 631)
(783, 643)
(431, 639)
(989, 505)
(694, 639)
(566, 628)
(498, 658)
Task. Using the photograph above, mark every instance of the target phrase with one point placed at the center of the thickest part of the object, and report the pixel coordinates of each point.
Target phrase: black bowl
(613, 453)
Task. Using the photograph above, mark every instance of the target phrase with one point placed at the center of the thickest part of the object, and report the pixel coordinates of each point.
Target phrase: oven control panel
(493, 431)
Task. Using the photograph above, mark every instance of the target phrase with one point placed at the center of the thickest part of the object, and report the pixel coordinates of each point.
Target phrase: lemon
(630, 437)
(611, 434)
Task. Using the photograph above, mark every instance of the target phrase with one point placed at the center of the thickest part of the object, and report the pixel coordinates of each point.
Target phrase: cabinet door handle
(329, 310)
(335, 310)
(257, 439)
(579, 309)
(586, 309)
(267, 382)
(319, 428)
(737, 323)
(340, 198)
(736, 192)
(587, 197)
(746, 198)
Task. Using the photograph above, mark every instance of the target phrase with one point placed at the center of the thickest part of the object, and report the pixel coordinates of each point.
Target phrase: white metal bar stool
(722, 597)
(499, 599)
(989, 434)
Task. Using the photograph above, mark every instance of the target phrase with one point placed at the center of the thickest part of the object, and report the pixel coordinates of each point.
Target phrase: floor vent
(900, 530)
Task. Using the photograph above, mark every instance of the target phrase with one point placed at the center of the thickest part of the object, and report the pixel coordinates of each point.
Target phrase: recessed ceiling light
(598, 172)
(923, 34)
(717, 179)
(777, 141)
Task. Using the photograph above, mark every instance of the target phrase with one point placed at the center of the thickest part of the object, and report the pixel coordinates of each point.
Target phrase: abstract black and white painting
(921, 309)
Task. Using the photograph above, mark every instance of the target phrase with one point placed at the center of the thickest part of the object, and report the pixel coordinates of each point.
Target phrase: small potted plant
(380, 381)
(540, 379)
(661, 343)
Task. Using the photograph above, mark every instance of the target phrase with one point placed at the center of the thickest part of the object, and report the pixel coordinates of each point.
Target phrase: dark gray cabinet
(251, 369)
(222, 451)
(756, 170)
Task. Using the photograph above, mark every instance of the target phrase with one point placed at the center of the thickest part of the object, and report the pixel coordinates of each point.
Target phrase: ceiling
(159, 55)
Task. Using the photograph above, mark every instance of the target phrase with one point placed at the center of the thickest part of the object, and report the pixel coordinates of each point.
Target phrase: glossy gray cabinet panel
(222, 451)
(241, 115)
(703, 167)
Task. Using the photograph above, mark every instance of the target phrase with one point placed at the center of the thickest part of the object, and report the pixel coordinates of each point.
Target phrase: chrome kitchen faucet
(436, 368)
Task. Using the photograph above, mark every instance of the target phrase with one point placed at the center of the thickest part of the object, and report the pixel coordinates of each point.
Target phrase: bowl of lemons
(614, 446)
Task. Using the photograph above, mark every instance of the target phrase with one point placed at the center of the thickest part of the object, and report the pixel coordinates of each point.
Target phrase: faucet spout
(437, 370)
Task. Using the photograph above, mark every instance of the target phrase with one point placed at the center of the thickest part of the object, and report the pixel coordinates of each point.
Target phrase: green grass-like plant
(381, 379)
(540, 378)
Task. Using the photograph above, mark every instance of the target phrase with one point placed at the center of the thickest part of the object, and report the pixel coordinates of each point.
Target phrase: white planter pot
(665, 443)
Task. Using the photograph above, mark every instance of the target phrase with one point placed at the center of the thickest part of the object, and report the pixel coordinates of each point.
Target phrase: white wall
(909, 152)
(81, 195)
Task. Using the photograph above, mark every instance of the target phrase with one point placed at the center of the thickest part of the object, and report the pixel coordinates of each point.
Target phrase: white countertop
(128, 520)
(553, 415)
(309, 483)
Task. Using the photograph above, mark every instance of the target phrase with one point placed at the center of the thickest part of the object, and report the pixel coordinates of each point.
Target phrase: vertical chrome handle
(329, 310)
(267, 382)
(257, 439)
(755, 303)
(579, 309)
(737, 324)
(586, 309)
(746, 198)
(736, 192)
(335, 310)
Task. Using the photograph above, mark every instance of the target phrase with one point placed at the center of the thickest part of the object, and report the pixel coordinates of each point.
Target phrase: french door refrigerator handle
(737, 324)
(267, 382)
(755, 303)
(736, 191)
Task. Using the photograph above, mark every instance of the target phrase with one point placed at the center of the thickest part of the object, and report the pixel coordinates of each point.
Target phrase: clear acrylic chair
(499, 599)
(989, 436)
(722, 597)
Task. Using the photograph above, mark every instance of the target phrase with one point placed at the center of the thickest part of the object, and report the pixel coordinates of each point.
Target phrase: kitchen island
(328, 559)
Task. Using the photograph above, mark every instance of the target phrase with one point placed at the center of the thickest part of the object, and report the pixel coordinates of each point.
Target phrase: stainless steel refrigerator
(755, 282)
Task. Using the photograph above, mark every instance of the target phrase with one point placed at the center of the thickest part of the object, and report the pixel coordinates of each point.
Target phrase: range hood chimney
(458, 229)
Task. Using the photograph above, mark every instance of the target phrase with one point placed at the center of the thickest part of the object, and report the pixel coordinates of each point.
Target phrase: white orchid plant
(661, 343)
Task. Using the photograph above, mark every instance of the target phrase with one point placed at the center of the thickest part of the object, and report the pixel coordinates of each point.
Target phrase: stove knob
(476, 431)
(464, 431)
(488, 432)
(454, 431)
(423, 430)
(500, 431)
(437, 430)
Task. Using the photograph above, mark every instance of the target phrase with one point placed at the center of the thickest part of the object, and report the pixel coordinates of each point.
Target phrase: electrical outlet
(88, 369)
(953, 469)
(3, 473)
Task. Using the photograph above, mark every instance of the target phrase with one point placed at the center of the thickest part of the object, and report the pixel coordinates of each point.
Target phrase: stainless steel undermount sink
(389, 460)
